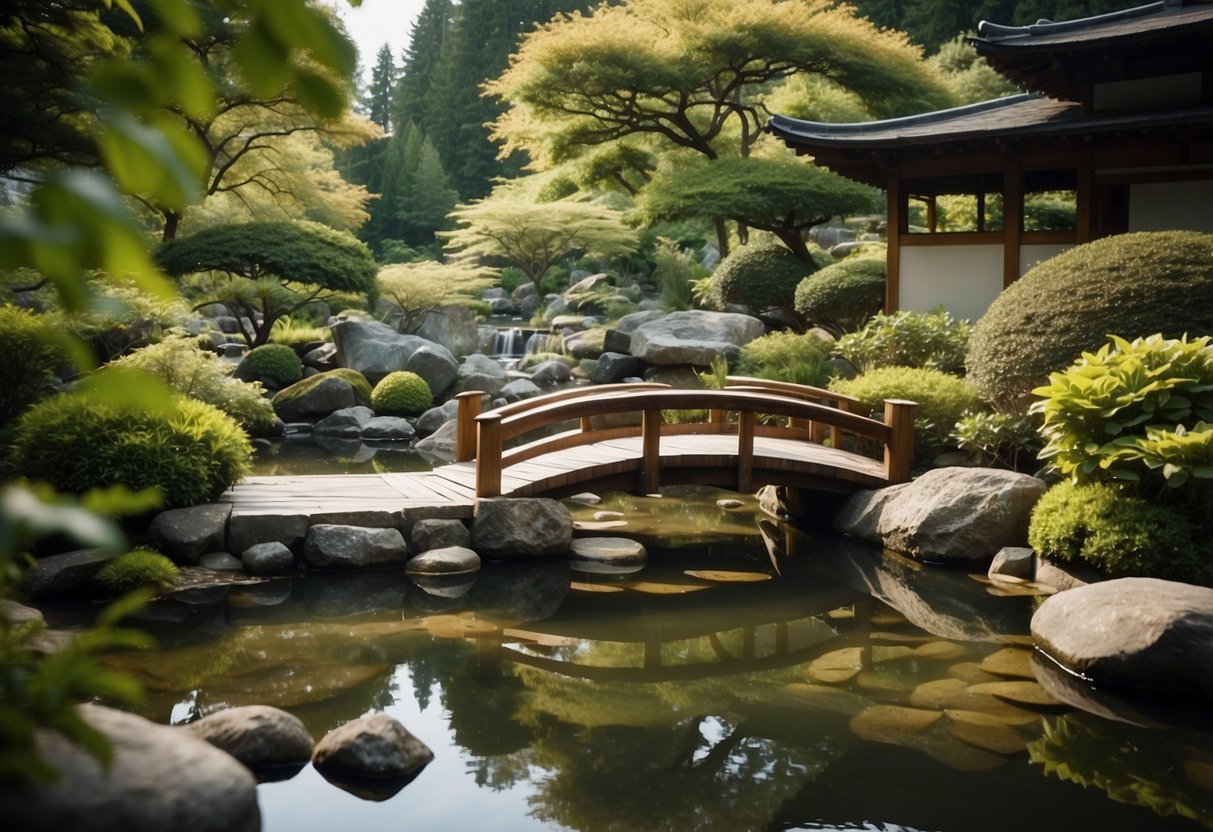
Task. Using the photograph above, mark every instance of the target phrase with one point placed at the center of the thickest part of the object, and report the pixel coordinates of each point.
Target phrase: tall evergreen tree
(383, 83)
(421, 59)
(427, 199)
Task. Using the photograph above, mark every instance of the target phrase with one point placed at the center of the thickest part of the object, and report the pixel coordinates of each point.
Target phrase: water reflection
(843, 691)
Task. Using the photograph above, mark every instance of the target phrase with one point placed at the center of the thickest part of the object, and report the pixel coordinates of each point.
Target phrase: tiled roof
(1096, 30)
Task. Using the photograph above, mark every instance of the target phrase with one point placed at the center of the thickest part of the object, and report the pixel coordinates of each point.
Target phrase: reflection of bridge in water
(752, 433)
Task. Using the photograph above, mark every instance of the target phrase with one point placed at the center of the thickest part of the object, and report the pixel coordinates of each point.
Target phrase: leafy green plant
(192, 371)
(401, 394)
(276, 363)
(1002, 439)
(535, 358)
(942, 398)
(1135, 412)
(801, 358)
(1117, 533)
(296, 332)
(842, 296)
(138, 568)
(82, 440)
(908, 339)
(761, 276)
(1129, 284)
(29, 359)
(674, 271)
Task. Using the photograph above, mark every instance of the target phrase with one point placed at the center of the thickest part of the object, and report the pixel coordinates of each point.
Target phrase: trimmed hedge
(942, 399)
(842, 296)
(1131, 285)
(761, 276)
(192, 452)
(276, 363)
(401, 394)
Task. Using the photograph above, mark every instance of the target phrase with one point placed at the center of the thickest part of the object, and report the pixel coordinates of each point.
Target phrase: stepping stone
(607, 555)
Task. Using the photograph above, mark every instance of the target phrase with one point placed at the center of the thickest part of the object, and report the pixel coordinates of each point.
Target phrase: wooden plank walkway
(450, 490)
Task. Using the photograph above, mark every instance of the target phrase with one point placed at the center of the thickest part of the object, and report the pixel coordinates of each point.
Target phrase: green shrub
(761, 276)
(29, 358)
(1132, 285)
(1117, 533)
(1135, 412)
(942, 398)
(138, 568)
(120, 317)
(674, 271)
(275, 363)
(401, 394)
(192, 371)
(786, 356)
(841, 297)
(78, 441)
(1008, 440)
(908, 339)
(298, 332)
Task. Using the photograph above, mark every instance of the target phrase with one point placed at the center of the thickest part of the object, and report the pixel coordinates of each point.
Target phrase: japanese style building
(1117, 121)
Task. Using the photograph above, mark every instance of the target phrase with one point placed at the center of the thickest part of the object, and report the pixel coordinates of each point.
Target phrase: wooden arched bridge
(633, 437)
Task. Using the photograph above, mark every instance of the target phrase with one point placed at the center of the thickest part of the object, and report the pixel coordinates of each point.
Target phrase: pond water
(325, 455)
(747, 679)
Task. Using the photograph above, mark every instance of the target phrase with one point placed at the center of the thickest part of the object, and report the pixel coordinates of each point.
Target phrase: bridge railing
(484, 436)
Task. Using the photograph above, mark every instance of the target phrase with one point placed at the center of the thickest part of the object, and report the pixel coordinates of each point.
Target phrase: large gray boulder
(453, 327)
(440, 445)
(63, 574)
(158, 778)
(519, 389)
(694, 337)
(550, 373)
(951, 514)
(479, 372)
(1140, 632)
(520, 528)
(256, 735)
(347, 423)
(619, 337)
(353, 547)
(436, 417)
(614, 367)
(375, 349)
(435, 364)
(185, 534)
(375, 746)
(245, 530)
(270, 558)
(314, 398)
(394, 428)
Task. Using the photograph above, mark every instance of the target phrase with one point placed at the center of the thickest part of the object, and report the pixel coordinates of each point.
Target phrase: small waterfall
(544, 342)
(510, 343)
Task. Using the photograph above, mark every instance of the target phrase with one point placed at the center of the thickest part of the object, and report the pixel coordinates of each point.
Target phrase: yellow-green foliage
(801, 358)
(1136, 412)
(356, 380)
(29, 356)
(189, 450)
(842, 296)
(908, 339)
(1119, 534)
(942, 398)
(197, 373)
(401, 394)
(759, 275)
(138, 568)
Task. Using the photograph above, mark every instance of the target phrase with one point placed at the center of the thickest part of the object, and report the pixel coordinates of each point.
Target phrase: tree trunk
(722, 236)
(798, 246)
(172, 219)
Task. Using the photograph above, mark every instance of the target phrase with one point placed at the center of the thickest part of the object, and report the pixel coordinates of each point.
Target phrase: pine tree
(421, 59)
(383, 83)
(427, 199)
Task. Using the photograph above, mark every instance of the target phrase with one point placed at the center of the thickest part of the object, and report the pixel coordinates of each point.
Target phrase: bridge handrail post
(465, 424)
(651, 444)
(899, 451)
(745, 450)
(488, 455)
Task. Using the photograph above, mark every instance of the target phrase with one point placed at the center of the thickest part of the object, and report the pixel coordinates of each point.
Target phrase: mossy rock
(1131, 285)
(319, 395)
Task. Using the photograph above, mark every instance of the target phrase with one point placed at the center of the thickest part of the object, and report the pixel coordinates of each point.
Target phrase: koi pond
(749, 678)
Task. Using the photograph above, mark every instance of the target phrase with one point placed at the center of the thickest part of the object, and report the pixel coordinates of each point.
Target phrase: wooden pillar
(650, 473)
(488, 456)
(895, 224)
(899, 452)
(745, 450)
(1012, 222)
(1084, 199)
(465, 432)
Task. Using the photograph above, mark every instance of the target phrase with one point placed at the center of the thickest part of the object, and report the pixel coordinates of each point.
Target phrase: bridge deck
(700, 458)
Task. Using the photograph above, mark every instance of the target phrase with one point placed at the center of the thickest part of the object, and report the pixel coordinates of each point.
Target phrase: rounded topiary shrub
(942, 399)
(842, 296)
(1131, 284)
(1118, 534)
(761, 276)
(401, 394)
(191, 451)
(138, 568)
(29, 359)
(276, 365)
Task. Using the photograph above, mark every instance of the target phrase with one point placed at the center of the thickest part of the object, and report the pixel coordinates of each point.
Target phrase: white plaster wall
(1029, 256)
(964, 279)
(1165, 206)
